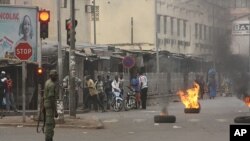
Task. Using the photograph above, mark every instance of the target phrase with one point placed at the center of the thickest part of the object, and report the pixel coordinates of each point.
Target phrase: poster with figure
(17, 24)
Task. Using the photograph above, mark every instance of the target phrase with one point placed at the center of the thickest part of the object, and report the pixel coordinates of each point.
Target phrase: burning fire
(247, 101)
(190, 97)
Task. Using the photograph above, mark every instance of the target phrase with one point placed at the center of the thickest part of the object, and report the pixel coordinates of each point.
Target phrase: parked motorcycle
(130, 100)
(117, 101)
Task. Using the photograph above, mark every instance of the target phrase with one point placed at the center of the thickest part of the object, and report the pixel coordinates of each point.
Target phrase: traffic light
(40, 75)
(44, 18)
(39, 71)
(68, 27)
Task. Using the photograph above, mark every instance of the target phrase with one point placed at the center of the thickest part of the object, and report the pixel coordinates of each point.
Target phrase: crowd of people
(99, 92)
(6, 94)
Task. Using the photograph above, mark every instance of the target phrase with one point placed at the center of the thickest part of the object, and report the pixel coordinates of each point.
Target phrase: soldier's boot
(48, 139)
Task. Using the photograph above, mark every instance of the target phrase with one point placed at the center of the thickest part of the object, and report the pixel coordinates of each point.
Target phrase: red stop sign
(23, 51)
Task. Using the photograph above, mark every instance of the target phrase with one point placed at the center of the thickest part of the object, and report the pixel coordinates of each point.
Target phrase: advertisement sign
(17, 25)
(241, 28)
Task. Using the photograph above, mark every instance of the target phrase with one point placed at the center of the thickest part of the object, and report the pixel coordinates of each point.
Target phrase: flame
(247, 101)
(190, 97)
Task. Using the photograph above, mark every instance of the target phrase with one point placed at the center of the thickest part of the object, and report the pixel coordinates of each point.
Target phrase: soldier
(50, 95)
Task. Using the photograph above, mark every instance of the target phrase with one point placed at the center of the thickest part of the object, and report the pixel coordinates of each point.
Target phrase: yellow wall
(114, 25)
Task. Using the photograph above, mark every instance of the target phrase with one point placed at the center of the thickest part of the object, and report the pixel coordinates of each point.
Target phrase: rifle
(42, 115)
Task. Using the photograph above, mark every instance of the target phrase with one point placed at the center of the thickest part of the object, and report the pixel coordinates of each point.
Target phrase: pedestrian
(143, 82)
(134, 84)
(100, 89)
(93, 94)
(78, 82)
(212, 87)
(121, 83)
(9, 94)
(86, 95)
(2, 92)
(108, 90)
(202, 87)
(116, 85)
(50, 96)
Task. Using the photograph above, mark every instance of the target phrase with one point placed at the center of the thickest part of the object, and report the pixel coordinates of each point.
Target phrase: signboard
(241, 28)
(23, 51)
(17, 24)
(128, 62)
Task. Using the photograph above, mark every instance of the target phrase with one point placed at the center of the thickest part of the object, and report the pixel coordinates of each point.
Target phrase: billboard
(17, 24)
(241, 28)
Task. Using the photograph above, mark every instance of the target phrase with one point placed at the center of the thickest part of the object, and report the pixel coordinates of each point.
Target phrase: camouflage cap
(53, 72)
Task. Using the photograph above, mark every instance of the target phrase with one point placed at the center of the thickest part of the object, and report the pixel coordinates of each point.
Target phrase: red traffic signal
(44, 16)
(68, 24)
(40, 71)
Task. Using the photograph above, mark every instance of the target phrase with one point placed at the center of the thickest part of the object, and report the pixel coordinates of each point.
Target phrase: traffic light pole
(72, 69)
(59, 55)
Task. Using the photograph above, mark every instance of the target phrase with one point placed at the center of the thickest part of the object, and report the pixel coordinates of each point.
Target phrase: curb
(80, 124)
(99, 126)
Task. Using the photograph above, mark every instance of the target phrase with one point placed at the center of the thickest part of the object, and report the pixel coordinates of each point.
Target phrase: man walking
(93, 93)
(50, 96)
(143, 82)
(9, 94)
(2, 92)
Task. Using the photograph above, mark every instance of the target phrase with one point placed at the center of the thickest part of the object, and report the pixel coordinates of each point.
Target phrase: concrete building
(240, 17)
(177, 26)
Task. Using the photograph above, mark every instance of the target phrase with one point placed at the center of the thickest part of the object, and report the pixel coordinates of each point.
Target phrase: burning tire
(192, 110)
(164, 119)
(244, 119)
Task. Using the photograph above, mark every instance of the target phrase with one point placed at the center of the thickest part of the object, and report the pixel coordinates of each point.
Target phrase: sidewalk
(78, 122)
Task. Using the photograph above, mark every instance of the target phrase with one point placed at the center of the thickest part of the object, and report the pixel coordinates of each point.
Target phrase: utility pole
(94, 21)
(156, 40)
(132, 31)
(59, 54)
(157, 48)
(72, 63)
(249, 47)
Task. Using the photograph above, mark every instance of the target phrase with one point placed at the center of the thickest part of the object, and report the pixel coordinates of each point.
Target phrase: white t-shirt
(115, 85)
(143, 81)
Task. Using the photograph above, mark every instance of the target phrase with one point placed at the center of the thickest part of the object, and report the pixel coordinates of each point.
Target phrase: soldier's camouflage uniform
(50, 95)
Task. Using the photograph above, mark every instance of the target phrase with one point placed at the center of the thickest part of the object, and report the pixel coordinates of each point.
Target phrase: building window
(178, 27)
(165, 24)
(196, 30)
(244, 3)
(158, 23)
(4, 1)
(240, 3)
(200, 31)
(248, 3)
(205, 32)
(184, 28)
(210, 34)
(172, 26)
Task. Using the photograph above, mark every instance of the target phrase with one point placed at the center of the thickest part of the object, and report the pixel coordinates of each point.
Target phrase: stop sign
(23, 51)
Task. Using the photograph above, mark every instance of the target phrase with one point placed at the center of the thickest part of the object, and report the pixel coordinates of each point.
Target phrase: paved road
(212, 124)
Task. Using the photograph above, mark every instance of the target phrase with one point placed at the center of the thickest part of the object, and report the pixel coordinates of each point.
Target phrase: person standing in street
(100, 90)
(108, 91)
(134, 84)
(2, 92)
(143, 82)
(121, 83)
(78, 82)
(50, 96)
(9, 94)
(93, 94)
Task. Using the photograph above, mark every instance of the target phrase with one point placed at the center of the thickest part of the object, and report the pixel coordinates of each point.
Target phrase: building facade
(178, 26)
